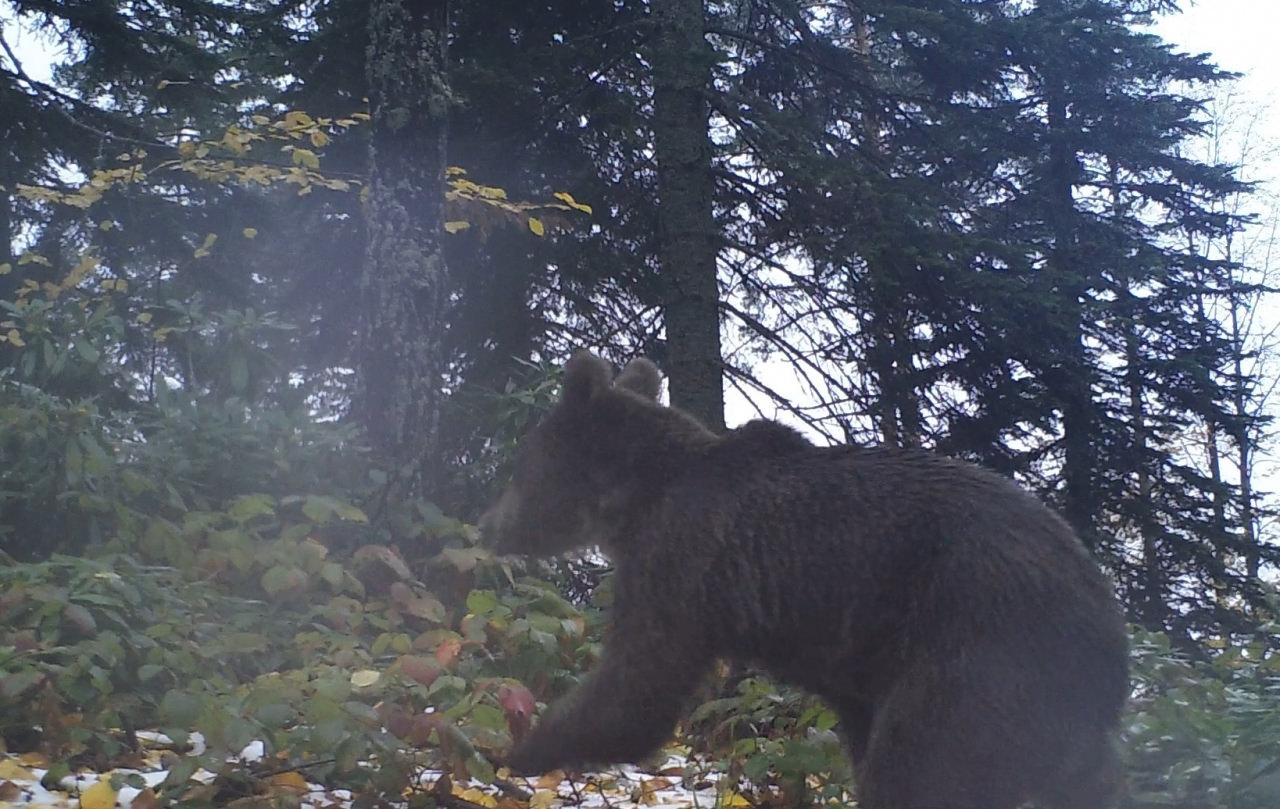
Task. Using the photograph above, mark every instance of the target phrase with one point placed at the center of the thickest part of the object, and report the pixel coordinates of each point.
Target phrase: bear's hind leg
(938, 747)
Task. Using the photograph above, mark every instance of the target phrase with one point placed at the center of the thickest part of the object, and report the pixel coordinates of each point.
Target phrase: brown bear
(975, 654)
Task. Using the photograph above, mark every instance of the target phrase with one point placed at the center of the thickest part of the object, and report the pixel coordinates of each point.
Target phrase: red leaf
(518, 704)
(419, 669)
(448, 650)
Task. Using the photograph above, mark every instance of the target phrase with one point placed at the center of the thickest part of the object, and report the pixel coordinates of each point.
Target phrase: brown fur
(974, 652)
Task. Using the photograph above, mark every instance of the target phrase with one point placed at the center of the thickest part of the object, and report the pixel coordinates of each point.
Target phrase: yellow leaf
(306, 157)
(290, 780)
(106, 224)
(733, 800)
(535, 224)
(187, 148)
(10, 769)
(144, 318)
(34, 759)
(456, 226)
(296, 118)
(475, 796)
(98, 796)
(203, 249)
(32, 258)
(648, 794)
(14, 337)
(567, 199)
(365, 678)
(260, 120)
(542, 799)
(6, 268)
(319, 139)
(454, 171)
(550, 780)
(249, 233)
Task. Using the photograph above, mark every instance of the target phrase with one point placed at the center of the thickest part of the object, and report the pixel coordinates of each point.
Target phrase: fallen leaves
(98, 796)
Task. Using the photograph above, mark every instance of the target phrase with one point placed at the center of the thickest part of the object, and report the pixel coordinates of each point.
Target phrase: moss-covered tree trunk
(404, 286)
(687, 240)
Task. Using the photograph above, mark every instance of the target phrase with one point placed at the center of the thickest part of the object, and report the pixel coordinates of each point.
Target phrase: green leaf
(74, 461)
(482, 602)
(180, 708)
(275, 715)
(318, 509)
(245, 508)
(465, 559)
(488, 717)
(280, 578)
(15, 685)
(87, 351)
(80, 618)
(239, 370)
(333, 574)
(349, 512)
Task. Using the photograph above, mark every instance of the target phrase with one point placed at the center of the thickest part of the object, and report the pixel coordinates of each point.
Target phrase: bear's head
(571, 474)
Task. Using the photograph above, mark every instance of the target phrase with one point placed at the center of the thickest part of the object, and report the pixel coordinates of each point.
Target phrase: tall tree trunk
(404, 286)
(1154, 586)
(7, 281)
(1071, 373)
(1244, 443)
(889, 346)
(1153, 580)
(1221, 535)
(687, 241)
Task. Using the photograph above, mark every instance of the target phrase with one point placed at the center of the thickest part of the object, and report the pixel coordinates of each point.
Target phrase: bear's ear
(642, 377)
(585, 374)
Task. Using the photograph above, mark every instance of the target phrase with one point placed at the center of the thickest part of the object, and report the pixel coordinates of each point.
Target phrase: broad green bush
(1204, 733)
(356, 672)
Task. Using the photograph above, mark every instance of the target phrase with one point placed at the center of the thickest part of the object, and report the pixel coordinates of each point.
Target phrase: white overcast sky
(1241, 35)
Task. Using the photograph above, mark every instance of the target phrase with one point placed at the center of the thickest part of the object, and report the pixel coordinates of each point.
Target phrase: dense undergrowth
(220, 558)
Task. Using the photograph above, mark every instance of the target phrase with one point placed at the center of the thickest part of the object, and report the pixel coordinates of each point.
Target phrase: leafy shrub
(356, 672)
(779, 741)
(90, 648)
(1204, 733)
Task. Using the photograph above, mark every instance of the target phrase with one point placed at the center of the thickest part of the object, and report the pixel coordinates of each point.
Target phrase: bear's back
(790, 552)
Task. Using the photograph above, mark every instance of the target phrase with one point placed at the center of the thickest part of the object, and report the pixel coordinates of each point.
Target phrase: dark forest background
(278, 273)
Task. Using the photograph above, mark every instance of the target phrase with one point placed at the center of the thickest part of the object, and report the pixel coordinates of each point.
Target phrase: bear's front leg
(622, 712)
